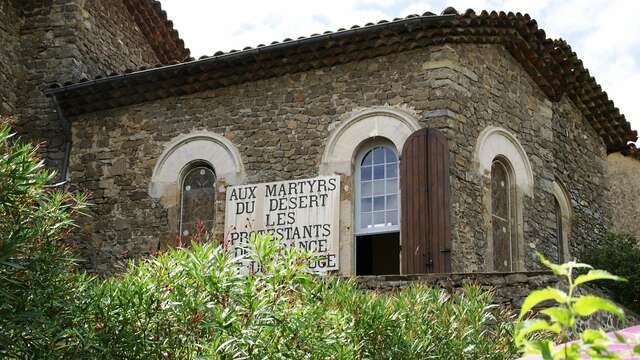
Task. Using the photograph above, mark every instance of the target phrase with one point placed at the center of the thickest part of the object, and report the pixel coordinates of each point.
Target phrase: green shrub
(619, 254)
(39, 288)
(192, 303)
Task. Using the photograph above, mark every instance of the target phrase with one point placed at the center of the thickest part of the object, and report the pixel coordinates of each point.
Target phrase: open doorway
(378, 254)
(377, 210)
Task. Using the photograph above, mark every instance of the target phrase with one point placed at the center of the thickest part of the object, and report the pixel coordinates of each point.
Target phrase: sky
(604, 34)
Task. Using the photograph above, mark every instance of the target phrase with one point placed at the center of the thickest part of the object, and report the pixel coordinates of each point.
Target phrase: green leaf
(557, 269)
(559, 315)
(636, 349)
(531, 326)
(597, 275)
(589, 304)
(590, 336)
(538, 296)
(541, 347)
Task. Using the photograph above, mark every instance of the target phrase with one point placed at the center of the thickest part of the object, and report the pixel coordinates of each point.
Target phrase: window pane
(379, 218)
(392, 202)
(378, 155)
(365, 220)
(392, 186)
(378, 187)
(392, 217)
(391, 156)
(368, 158)
(501, 218)
(365, 205)
(366, 188)
(392, 170)
(365, 173)
(198, 201)
(378, 172)
(378, 203)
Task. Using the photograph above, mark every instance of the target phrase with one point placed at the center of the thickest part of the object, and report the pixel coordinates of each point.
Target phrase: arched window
(197, 201)
(377, 211)
(563, 213)
(378, 191)
(502, 214)
(559, 234)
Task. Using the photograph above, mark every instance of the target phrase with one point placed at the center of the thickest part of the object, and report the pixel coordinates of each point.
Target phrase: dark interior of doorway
(378, 254)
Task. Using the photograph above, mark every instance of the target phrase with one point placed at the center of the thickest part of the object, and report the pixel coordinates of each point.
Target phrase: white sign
(302, 213)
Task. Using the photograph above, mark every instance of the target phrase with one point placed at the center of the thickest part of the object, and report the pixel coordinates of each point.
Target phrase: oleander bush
(619, 254)
(38, 285)
(194, 303)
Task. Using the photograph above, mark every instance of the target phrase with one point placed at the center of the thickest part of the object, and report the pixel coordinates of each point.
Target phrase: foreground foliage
(561, 318)
(194, 303)
(38, 287)
(619, 254)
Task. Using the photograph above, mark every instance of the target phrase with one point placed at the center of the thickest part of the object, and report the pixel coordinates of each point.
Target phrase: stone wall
(9, 64)
(67, 40)
(624, 181)
(509, 290)
(579, 162)
(110, 40)
(492, 89)
(280, 127)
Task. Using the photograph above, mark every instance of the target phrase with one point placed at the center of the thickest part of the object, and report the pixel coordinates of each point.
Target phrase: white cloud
(604, 33)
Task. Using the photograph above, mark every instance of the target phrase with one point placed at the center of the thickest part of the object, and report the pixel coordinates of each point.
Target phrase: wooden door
(425, 213)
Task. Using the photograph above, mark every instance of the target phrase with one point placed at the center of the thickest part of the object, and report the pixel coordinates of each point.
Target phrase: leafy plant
(195, 303)
(619, 253)
(38, 286)
(560, 320)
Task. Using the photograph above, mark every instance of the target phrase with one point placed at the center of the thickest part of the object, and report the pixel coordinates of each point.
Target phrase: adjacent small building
(459, 142)
(624, 172)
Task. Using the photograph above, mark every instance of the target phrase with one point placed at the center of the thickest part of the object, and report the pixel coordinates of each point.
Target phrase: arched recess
(494, 141)
(498, 144)
(201, 146)
(566, 214)
(391, 123)
(361, 129)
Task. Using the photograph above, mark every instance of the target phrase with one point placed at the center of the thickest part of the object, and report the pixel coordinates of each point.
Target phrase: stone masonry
(623, 175)
(57, 41)
(508, 290)
(280, 126)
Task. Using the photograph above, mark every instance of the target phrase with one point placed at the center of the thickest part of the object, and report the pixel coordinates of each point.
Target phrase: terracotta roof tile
(552, 64)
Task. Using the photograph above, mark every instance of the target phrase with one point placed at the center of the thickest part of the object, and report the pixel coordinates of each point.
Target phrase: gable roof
(552, 64)
(158, 30)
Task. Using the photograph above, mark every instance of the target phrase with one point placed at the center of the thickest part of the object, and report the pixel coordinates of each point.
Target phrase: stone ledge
(509, 288)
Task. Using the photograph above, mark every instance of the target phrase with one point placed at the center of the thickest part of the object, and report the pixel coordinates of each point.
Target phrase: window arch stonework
(183, 153)
(380, 124)
(495, 143)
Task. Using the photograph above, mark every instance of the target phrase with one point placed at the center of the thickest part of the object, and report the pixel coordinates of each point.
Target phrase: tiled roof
(158, 30)
(631, 151)
(551, 64)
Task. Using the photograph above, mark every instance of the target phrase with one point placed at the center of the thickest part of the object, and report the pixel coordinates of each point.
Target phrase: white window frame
(358, 160)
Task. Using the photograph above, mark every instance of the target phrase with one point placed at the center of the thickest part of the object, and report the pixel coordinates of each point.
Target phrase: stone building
(58, 41)
(624, 172)
(514, 158)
